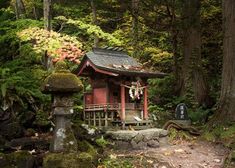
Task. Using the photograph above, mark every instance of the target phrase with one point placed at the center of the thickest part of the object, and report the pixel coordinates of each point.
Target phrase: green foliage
(178, 136)
(21, 71)
(155, 57)
(101, 142)
(198, 115)
(224, 133)
(9, 40)
(6, 13)
(118, 163)
(92, 30)
(41, 119)
(159, 115)
(161, 89)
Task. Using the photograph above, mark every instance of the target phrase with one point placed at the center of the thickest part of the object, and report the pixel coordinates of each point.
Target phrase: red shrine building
(118, 94)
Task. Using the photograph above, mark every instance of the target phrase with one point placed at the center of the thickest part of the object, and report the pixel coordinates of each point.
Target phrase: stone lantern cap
(61, 80)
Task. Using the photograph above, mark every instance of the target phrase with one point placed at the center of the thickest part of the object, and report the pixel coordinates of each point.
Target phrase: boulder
(140, 139)
(68, 160)
(28, 143)
(19, 159)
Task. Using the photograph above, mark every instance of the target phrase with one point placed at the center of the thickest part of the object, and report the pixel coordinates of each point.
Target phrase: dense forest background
(192, 41)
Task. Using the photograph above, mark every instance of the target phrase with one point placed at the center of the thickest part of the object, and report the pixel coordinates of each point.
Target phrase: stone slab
(141, 139)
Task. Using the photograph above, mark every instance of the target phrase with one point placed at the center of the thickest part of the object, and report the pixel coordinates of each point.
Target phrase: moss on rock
(84, 146)
(70, 142)
(61, 66)
(21, 159)
(68, 160)
(62, 80)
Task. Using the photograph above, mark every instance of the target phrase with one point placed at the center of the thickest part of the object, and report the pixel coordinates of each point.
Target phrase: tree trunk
(94, 21)
(135, 27)
(193, 80)
(20, 9)
(47, 14)
(48, 27)
(227, 97)
(174, 41)
(35, 13)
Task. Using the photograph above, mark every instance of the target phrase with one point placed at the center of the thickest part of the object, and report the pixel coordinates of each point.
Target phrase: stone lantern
(61, 84)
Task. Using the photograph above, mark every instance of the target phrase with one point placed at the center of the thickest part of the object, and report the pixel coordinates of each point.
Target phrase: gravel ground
(184, 155)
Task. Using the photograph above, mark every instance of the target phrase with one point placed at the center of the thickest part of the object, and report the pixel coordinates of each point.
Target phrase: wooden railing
(112, 106)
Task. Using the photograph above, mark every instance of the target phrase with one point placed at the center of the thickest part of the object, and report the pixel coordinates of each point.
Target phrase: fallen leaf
(217, 160)
(112, 156)
(168, 153)
(179, 150)
(150, 161)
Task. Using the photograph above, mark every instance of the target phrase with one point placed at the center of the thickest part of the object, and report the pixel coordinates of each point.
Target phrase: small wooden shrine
(118, 94)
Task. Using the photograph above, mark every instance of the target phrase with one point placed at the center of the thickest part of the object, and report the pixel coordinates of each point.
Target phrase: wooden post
(89, 118)
(123, 103)
(106, 119)
(94, 118)
(99, 119)
(145, 103)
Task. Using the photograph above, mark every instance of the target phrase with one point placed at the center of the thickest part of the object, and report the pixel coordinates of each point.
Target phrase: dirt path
(184, 155)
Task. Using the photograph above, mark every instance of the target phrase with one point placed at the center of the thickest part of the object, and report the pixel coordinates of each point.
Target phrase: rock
(19, 159)
(4, 114)
(29, 132)
(28, 143)
(85, 132)
(163, 141)
(122, 145)
(163, 133)
(68, 160)
(11, 130)
(153, 144)
(127, 135)
(124, 135)
(138, 139)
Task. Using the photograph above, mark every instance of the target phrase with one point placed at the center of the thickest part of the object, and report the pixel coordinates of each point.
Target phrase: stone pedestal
(62, 84)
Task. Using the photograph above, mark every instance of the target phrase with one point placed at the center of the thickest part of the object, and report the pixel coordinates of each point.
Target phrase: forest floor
(196, 154)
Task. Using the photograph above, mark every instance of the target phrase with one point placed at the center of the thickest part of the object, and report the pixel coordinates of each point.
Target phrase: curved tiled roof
(116, 61)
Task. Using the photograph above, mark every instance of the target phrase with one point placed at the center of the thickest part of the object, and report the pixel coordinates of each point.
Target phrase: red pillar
(122, 103)
(145, 103)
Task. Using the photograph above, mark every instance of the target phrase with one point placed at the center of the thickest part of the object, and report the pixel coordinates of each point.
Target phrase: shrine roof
(117, 62)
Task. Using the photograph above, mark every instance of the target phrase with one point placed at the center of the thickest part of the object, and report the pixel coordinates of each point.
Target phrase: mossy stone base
(21, 159)
(68, 160)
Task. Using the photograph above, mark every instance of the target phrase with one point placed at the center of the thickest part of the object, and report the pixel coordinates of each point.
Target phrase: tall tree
(135, 27)
(171, 7)
(47, 26)
(193, 80)
(227, 96)
(94, 21)
(20, 9)
(47, 14)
